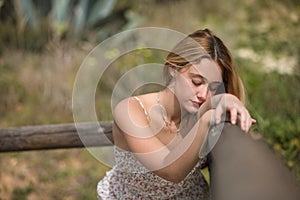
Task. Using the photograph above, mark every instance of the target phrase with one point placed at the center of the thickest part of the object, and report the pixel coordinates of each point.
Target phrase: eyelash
(212, 88)
(196, 83)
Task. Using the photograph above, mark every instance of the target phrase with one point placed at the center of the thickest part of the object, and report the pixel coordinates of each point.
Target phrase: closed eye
(197, 83)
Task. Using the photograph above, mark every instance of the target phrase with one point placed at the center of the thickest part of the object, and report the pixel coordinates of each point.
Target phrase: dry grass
(47, 79)
(55, 174)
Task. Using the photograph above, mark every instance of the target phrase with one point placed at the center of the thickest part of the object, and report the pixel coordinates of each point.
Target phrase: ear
(172, 71)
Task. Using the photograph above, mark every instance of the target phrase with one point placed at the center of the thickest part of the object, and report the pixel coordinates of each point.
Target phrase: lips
(197, 103)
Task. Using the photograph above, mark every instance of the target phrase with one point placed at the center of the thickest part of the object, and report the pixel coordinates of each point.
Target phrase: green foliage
(64, 15)
(272, 29)
(27, 39)
(22, 193)
(274, 100)
(32, 25)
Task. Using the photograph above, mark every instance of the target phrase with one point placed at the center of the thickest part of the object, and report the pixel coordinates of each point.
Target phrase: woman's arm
(151, 152)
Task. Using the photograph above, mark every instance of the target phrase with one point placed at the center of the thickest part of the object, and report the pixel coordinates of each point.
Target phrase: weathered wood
(55, 136)
(244, 168)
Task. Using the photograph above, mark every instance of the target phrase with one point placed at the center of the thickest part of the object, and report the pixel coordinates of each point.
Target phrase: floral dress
(129, 179)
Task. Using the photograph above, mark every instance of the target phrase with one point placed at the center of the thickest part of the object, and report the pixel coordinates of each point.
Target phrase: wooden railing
(55, 136)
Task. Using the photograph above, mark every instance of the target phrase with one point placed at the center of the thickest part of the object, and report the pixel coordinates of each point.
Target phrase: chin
(191, 109)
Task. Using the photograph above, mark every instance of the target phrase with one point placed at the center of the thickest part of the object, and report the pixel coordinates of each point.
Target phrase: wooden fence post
(244, 168)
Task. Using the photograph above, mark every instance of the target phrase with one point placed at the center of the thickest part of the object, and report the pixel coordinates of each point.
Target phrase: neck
(169, 101)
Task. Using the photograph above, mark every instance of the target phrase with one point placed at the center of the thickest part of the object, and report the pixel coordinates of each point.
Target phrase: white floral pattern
(129, 179)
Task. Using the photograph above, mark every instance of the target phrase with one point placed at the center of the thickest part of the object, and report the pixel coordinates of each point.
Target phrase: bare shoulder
(134, 110)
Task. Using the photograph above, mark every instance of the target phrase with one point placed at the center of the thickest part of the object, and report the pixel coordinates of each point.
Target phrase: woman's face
(196, 84)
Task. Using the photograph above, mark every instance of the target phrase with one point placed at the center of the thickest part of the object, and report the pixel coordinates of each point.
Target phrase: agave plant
(66, 15)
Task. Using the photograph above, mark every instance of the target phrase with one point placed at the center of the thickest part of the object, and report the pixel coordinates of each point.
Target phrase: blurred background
(43, 43)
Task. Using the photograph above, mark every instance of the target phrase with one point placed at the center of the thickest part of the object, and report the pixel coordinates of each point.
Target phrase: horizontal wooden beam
(56, 136)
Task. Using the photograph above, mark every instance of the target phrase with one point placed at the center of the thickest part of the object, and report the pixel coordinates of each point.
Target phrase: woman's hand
(228, 103)
(238, 113)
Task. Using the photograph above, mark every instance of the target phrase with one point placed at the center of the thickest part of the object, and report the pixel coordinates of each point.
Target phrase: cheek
(183, 88)
(209, 95)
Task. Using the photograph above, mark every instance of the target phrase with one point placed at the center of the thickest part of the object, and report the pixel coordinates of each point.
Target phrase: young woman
(158, 136)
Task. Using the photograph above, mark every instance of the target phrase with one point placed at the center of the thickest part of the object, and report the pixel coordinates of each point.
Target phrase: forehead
(208, 69)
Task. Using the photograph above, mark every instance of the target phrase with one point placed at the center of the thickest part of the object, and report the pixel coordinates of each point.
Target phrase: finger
(249, 123)
(244, 119)
(218, 114)
(233, 115)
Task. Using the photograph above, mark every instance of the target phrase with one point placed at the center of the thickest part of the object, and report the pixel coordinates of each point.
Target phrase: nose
(202, 92)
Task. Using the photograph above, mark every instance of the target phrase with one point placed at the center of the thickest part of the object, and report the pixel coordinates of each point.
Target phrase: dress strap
(143, 107)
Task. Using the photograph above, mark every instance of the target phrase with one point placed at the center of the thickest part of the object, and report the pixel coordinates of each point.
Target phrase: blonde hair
(204, 44)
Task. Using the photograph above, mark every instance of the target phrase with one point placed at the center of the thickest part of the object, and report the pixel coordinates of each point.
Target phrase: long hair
(204, 44)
